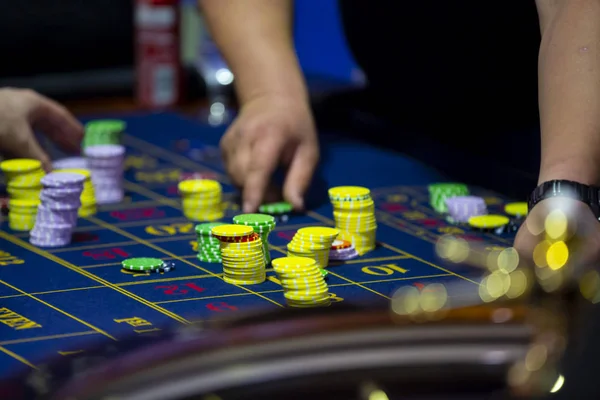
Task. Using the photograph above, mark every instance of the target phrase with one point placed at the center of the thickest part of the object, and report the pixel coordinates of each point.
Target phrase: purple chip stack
(106, 164)
(461, 208)
(57, 212)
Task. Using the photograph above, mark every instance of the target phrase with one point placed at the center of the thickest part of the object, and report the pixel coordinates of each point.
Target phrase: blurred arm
(255, 37)
(569, 92)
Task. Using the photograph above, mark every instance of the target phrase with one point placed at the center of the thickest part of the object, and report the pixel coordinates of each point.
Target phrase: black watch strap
(570, 189)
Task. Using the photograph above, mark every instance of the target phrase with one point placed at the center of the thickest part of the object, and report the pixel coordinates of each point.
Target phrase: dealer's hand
(271, 130)
(580, 232)
(21, 112)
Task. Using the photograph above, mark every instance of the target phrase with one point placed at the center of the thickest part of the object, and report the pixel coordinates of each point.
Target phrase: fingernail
(247, 207)
(299, 201)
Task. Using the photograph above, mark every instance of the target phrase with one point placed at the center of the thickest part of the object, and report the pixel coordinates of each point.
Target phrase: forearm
(569, 80)
(255, 37)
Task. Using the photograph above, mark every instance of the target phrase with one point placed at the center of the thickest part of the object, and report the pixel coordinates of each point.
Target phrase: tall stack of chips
(57, 212)
(106, 163)
(201, 199)
(209, 247)
(88, 197)
(313, 242)
(303, 283)
(23, 178)
(104, 131)
(440, 192)
(242, 253)
(461, 208)
(354, 214)
(263, 225)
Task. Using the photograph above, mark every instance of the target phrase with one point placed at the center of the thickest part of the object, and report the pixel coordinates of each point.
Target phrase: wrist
(583, 171)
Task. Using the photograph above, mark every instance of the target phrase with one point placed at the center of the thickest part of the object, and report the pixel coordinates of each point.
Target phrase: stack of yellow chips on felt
(313, 242)
(88, 196)
(201, 199)
(23, 182)
(242, 254)
(354, 214)
(302, 281)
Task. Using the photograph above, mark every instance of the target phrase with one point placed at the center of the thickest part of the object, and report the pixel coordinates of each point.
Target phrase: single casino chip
(20, 165)
(231, 231)
(518, 210)
(461, 208)
(489, 221)
(339, 244)
(324, 272)
(279, 208)
(142, 264)
(254, 220)
(349, 193)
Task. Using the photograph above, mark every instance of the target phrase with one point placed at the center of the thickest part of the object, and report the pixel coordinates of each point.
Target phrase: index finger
(265, 157)
(57, 123)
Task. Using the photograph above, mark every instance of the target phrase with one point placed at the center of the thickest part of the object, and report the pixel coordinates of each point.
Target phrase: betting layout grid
(384, 267)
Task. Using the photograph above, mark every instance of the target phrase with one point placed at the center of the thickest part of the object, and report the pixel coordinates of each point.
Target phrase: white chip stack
(106, 163)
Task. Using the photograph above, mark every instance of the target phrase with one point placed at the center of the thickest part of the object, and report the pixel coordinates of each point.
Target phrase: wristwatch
(570, 189)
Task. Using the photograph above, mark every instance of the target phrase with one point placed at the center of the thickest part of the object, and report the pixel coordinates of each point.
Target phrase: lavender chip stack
(461, 208)
(57, 212)
(106, 163)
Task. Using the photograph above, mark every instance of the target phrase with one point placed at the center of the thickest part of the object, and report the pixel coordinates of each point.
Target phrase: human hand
(559, 240)
(21, 112)
(271, 130)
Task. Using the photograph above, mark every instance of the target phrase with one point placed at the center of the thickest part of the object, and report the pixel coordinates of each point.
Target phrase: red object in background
(159, 72)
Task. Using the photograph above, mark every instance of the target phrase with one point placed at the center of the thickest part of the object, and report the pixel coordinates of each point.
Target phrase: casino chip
(440, 192)
(242, 254)
(192, 176)
(209, 247)
(144, 264)
(201, 199)
(103, 132)
(302, 281)
(23, 183)
(354, 214)
(88, 196)
(70, 163)
(490, 223)
(517, 210)
(165, 267)
(461, 208)
(313, 242)
(107, 165)
(280, 210)
(60, 200)
(342, 250)
(262, 225)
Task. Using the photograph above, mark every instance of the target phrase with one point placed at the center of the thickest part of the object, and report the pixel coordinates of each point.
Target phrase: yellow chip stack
(23, 183)
(354, 214)
(242, 254)
(22, 214)
(23, 178)
(313, 242)
(303, 284)
(201, 199)
(88, 196)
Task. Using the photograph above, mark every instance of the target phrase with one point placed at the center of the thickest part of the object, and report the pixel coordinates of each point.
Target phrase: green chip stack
(439, 192)
(278, 210)
(103, 131)
(263, 225)
(209, 247)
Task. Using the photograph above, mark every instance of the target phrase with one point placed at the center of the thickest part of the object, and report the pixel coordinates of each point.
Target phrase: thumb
(300, 173)
(21, 143)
